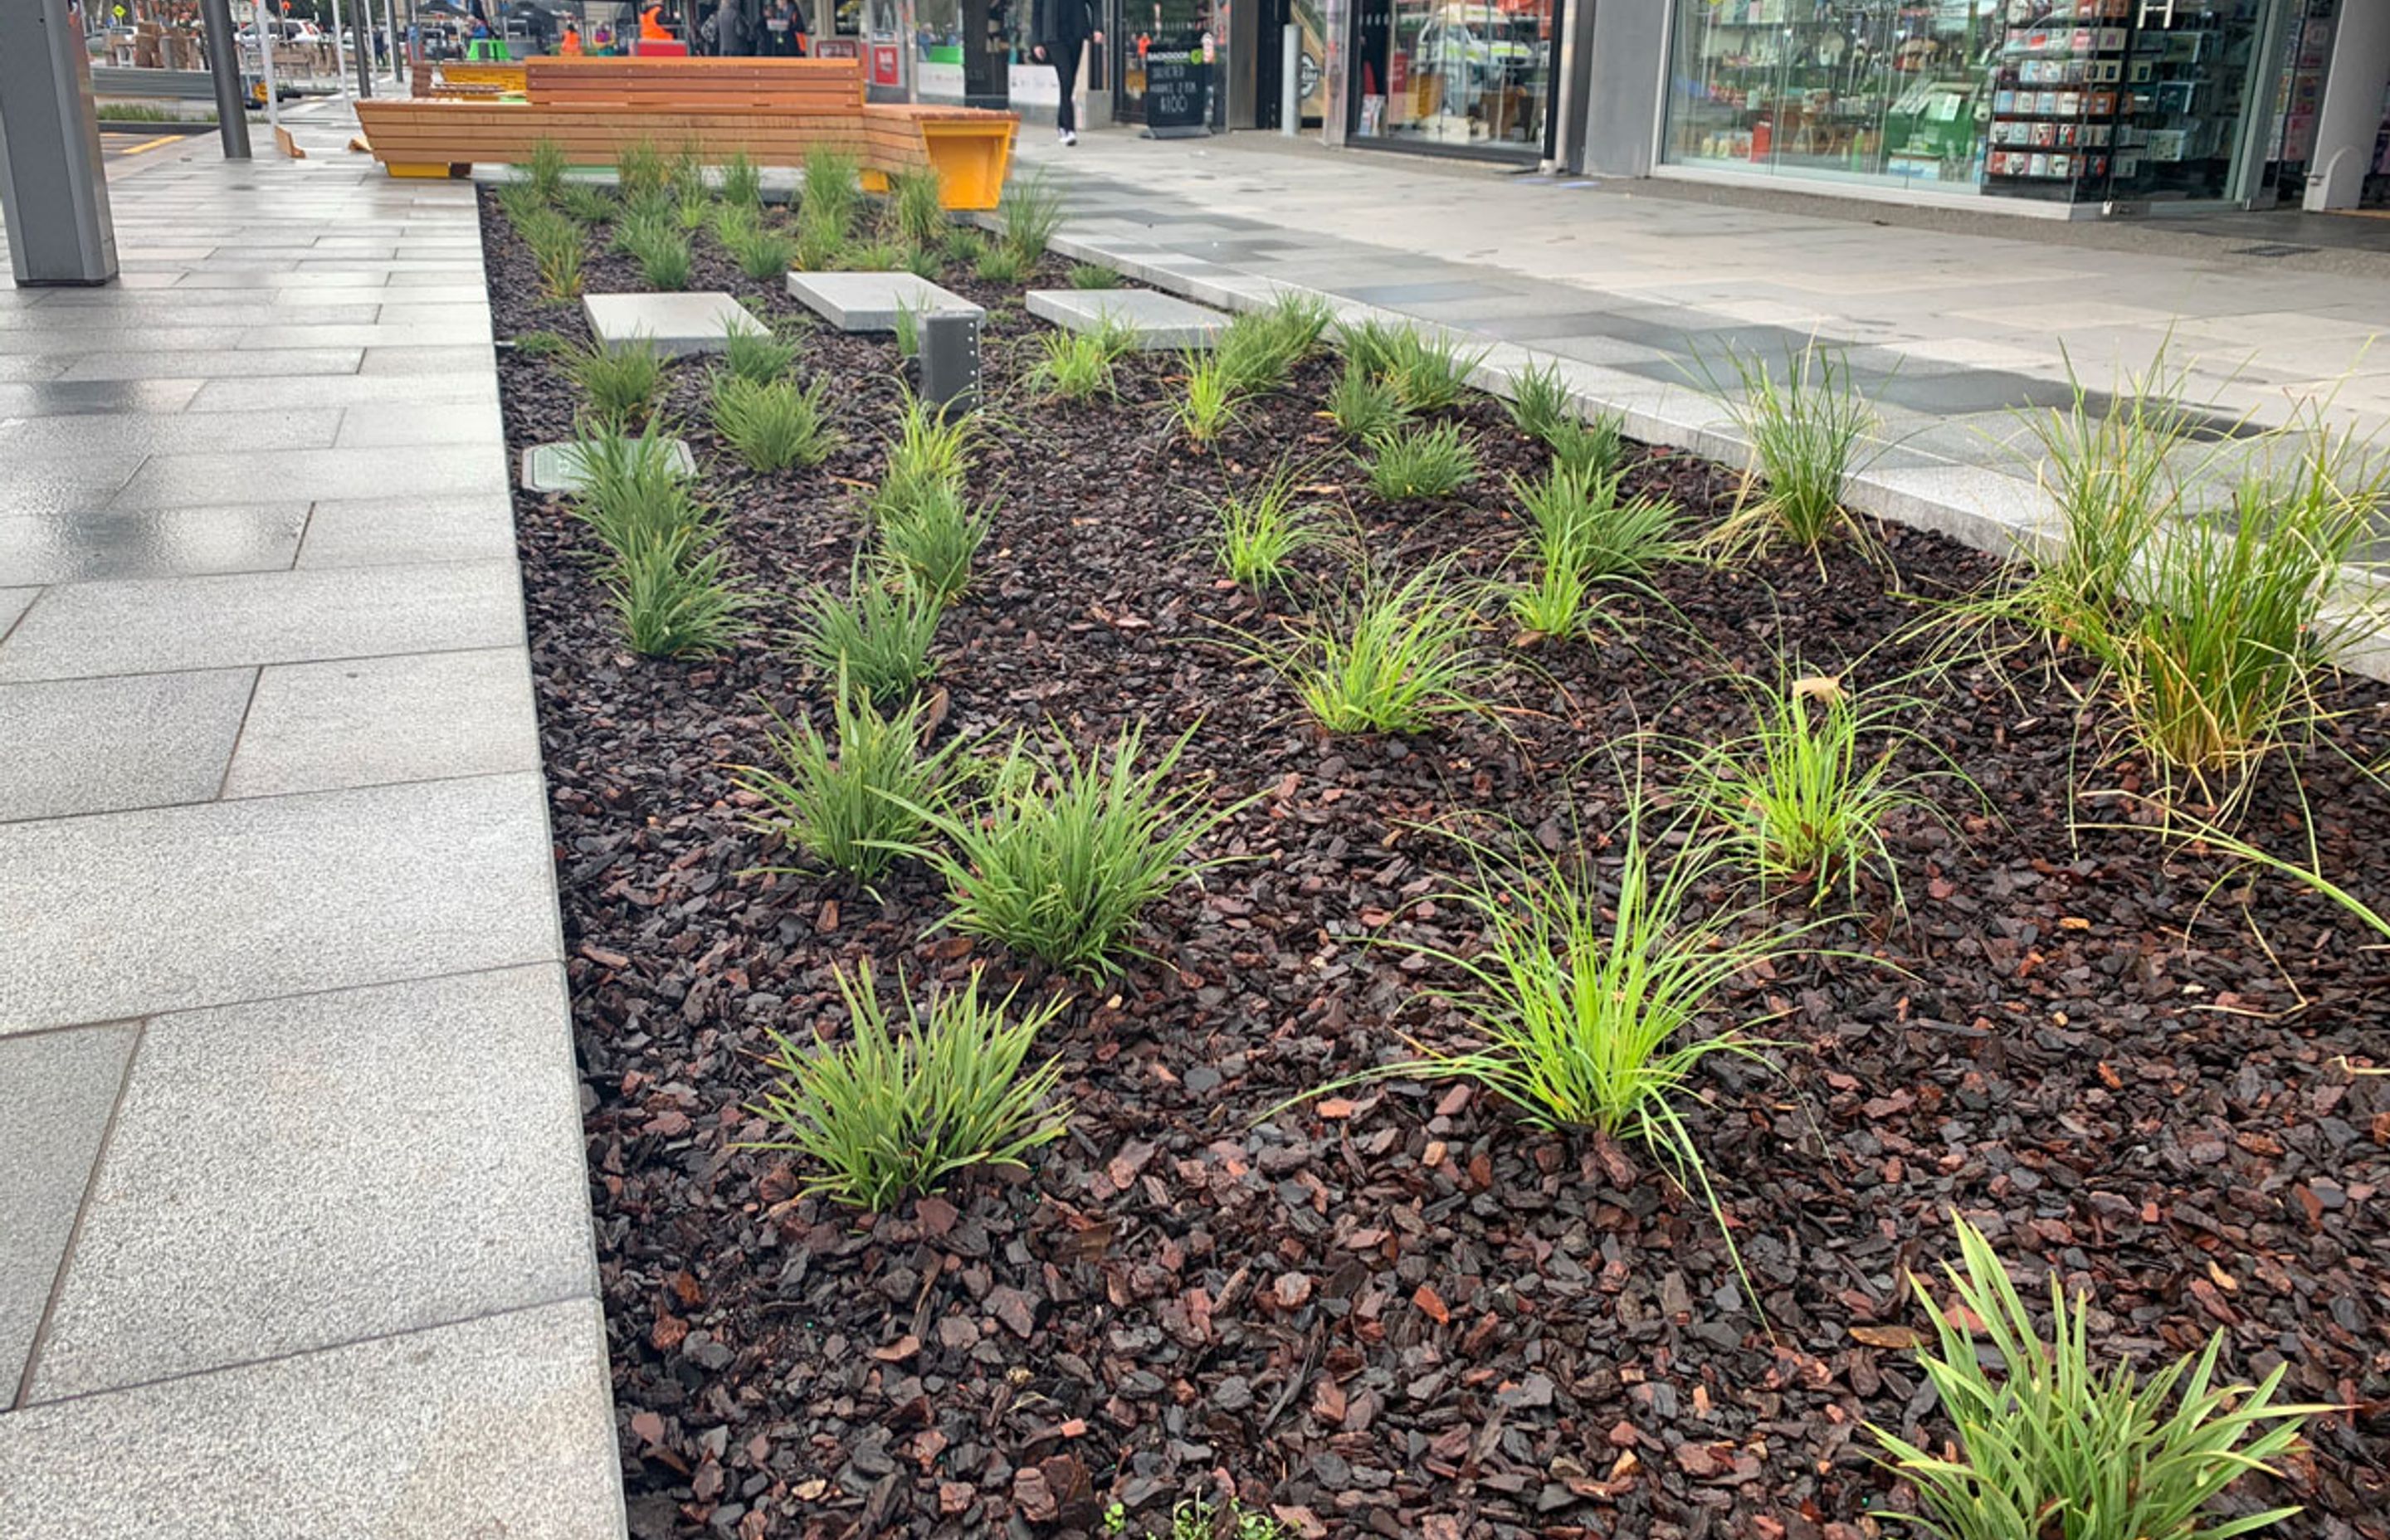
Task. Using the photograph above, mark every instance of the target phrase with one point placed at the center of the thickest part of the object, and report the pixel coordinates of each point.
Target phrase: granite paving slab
(675, 323)
(871, 301)
(364, 1181)
(370, 721)
(53, 1140)
(80, 746)
(1160, 323)
(496, 1427)
(74, 544)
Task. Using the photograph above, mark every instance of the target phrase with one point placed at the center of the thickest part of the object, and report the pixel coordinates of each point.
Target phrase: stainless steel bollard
(950, 359)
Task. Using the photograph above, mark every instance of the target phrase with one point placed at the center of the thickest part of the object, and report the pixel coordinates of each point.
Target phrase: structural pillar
(224, 66)
(52, 186)
(2352, 107)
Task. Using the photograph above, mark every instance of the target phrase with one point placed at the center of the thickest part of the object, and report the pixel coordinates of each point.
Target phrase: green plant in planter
(915, 208)
(833, 191)
(1363, 406)
(1806, 431)
(1077, 365)
(1209, 404)
(675, 597)
(876, 636)
(849, 800)
(2052, 1446)
(1389, 657)
(742, 182)
(1030, 213)
(1088, 275)
(1066, 852)
(934, 537)
(762, 357)
(775, 424)
(620, 383)
(1423, 460)
(1001, 263)
(588, 204)
(900, 1108)
(1261, 532)
(640, 172)
(1581, 522)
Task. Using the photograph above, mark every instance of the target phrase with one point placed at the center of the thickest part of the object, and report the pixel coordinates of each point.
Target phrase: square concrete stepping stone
(552, 468)
(1161, 323)
(675, 323)
(869, 301)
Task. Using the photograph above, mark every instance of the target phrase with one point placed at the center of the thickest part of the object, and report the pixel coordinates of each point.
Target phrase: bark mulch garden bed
(1400, 1312)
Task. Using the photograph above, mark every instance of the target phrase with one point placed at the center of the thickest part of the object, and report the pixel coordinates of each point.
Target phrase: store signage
(1178, 86)
(885, 69)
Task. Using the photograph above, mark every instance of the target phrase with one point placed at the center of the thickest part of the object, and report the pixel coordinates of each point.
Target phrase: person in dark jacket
(1059, 30)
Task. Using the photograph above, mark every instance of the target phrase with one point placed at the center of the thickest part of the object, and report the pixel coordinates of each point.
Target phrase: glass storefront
(2065, 100)
(1460, 74)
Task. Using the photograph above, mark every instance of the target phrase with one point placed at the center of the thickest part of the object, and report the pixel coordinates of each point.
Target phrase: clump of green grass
(543, 344)
(833, 191)
(873, 256)
(1077, 365)
(1389, 657)
(772, 425)
(821, 243)
(935, 538)
(923, 262)
(1588, 1006)
(1001, 262)
(899, 1109)
(1088, 276)
(876, 636)
(960, 246)
(1541, 404)
(1260, 532)
(1806, 431)
(762, 357)
(1580, 522)
(1430, 459)
(1593, 450)
(853, 799)
(928, 452)
(1066, 852)
(633, 491)
(640, 172)
(1557, 602)
(915, 209)
(557, 250)
(521, 202)
(620, 383)
(1030, 214)
(760, 250)
(587, 203)
(1260, 348)
(1804, 797)
(742, 182)
(1209, 402)
(2050, 1446)
(663, 255)
(1364, 406)
(1428, 372)
(675, 597)
(685, 174)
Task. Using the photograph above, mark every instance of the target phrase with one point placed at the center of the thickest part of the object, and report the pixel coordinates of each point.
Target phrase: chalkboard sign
(1177, 93)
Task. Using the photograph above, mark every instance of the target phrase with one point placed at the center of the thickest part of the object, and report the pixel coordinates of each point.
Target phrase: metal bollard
(950, 359)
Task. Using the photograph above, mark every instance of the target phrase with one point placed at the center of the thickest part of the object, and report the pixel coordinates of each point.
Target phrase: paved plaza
(297, 1236)
(297, 1232)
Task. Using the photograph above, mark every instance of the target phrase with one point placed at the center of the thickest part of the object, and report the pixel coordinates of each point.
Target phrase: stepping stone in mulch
(553, 468)
(869, 301)
(1161, 323)
(675, 323)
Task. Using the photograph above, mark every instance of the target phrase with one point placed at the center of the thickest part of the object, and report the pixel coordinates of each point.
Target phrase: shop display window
(1461, 74)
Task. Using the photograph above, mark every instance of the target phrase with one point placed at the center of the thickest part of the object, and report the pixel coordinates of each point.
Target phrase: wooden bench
(773, 110)
(458, 80)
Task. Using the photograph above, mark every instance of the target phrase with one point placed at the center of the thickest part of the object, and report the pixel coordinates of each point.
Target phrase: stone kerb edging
(1990, 510)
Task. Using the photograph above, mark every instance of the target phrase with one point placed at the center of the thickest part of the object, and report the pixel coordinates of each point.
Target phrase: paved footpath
(1643, 296)
(294, 1234)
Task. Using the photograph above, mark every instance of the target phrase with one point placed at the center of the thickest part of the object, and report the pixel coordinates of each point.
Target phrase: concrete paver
(278, 894)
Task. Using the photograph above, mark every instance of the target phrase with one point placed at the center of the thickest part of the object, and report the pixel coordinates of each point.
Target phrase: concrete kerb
(1988, 511)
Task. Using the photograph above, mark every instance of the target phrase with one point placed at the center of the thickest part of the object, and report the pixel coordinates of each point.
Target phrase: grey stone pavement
(294, 1234)
(1643, 295)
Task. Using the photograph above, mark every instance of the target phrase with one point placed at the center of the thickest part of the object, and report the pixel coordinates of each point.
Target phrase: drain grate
(2277, 249)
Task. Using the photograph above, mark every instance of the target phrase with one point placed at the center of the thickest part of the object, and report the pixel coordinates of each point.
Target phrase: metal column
(224, 64)
(52, 186)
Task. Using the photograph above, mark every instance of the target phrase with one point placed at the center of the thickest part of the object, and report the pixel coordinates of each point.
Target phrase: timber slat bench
(773, 110)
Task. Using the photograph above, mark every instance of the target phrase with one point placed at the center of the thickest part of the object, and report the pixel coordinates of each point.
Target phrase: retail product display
(2056, 98)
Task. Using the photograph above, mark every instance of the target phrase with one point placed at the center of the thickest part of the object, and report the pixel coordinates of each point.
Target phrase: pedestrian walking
(1059, 30)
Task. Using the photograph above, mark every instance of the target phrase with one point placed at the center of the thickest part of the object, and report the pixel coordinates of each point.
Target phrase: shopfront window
(2061, 100)
(1457, 73)
(1882, 90)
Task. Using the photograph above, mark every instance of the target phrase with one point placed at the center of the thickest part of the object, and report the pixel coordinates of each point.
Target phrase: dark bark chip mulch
(1402, 1312)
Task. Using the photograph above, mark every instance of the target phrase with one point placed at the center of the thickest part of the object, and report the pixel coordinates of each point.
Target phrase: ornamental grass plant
(1067, 852)
(909, 1101)
(1424, 459)
(1808, 428)
(2051, 1446)
(1388, 657)
(1260, 531)
(773, 425)
(875, 636)
(855, 797)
